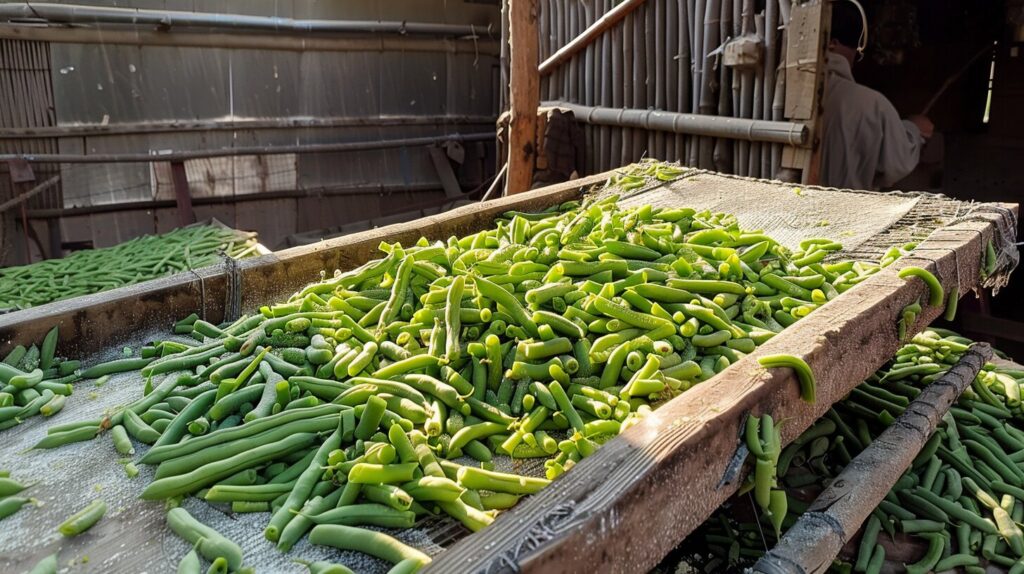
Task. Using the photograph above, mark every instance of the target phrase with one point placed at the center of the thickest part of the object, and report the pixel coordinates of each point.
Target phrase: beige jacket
(865, 144)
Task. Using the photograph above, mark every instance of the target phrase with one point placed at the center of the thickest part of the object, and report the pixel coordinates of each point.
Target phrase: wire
(862, 41)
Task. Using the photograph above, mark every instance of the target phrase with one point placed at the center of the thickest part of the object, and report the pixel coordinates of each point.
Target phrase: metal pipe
(240, 41)
(340, 191)
(165, 19)
(594, 30)
(178, 126)
(245, 150)
(815, 540)
(694, 124)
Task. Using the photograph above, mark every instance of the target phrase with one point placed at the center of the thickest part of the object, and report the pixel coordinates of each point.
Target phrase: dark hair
(846, 23)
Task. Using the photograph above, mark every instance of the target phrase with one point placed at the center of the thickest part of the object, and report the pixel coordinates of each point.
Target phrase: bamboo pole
(697, 44)
(672, 72)
(661, 63)
(723, 147)
(746, 88)
(628, 77)
(685, 73)
(771, 30)
(617, 81)
(594, 30)
(754, 162)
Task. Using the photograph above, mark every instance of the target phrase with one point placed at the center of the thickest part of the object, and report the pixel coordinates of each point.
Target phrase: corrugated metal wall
(376, 94)
(26, 95)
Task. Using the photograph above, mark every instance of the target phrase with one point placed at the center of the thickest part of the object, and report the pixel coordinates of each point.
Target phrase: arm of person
(901, 144)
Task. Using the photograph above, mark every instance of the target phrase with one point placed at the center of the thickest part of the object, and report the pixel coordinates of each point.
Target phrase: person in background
(865, 143)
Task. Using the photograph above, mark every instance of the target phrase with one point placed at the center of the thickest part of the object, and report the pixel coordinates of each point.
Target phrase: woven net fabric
(866, 223)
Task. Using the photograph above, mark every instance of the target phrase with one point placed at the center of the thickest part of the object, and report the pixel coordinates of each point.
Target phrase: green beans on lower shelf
(135, 260)
(962, 499)
(542, 337)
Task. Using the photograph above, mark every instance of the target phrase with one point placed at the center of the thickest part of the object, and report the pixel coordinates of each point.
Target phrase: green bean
(280, 424)
(932, 556)
(47, 565)
(212, 472)
(303, 487)
(803, 372)
(210, 543)
(11, 504)
(67, 437)
(84, 519)
(934, 287)
(367, 541)
(366, 515)
(480, 479)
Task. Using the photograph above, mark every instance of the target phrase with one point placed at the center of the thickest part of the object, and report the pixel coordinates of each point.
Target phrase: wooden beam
(524, 94)
(806, 54)
(182, 194)
(835, 516)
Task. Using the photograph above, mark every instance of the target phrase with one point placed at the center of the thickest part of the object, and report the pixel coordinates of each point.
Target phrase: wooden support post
(524, 94)
(181, 193)
(56, 243)
(806, 53)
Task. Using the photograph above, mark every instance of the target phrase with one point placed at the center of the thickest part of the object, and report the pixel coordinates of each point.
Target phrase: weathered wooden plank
(835, 516)
(805, 62)
(628, 505)
(524, 87)
(806, 52)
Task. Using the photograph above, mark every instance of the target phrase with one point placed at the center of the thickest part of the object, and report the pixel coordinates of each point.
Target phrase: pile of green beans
(962, 498)
(34, 381)
(11, 490)
(135, 260)
(358, 401)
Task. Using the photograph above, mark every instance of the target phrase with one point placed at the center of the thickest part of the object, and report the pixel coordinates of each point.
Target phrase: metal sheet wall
(110, 85)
